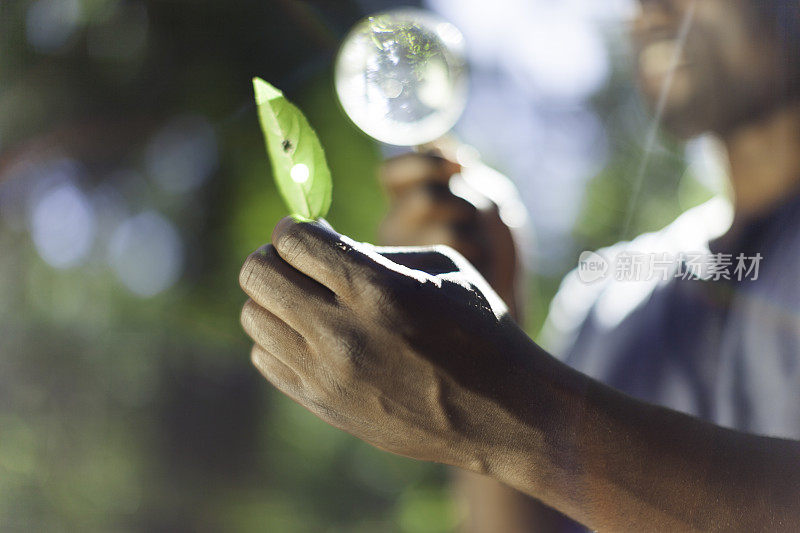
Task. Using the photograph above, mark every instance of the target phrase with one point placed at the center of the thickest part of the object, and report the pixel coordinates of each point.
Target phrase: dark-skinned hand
(398, 346)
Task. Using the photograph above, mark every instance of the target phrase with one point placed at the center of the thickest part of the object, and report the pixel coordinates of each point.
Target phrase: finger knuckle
(245, 317)
(249, 316)
(257, 268)
(292, 242)
(251, 264)
(263, 361)
(263, 327)
(258, 357)
(276, 373)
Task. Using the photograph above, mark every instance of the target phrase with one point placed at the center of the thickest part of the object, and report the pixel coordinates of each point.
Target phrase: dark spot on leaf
(287, 145)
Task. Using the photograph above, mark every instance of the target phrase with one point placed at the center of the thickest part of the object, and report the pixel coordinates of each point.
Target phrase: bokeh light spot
(121, 32)
(146, 253)
(183, 155)
(50, 24)
(62, 225)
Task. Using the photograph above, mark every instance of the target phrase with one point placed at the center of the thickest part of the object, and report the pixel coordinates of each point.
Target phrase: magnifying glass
(401, 76)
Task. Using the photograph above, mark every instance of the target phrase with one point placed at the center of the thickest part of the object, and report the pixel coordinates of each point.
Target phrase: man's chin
(678, 121)
(682, 126)
(681, 117)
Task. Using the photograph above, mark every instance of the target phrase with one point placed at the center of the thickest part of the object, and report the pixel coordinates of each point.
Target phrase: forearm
(615, 463)
(492, 506)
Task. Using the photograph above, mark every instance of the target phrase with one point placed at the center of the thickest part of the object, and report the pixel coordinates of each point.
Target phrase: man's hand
(399, 347)
(411, 351)
(430, 204)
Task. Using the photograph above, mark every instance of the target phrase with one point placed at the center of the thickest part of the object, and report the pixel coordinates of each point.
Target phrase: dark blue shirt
(725, 350)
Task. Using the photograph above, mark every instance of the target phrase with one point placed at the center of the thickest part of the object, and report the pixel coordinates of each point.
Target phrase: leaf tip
(265, 91)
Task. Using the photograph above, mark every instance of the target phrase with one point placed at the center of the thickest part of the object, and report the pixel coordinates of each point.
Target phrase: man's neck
(764, 161)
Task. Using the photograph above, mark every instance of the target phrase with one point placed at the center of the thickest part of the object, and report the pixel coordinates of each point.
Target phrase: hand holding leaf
(298, 161)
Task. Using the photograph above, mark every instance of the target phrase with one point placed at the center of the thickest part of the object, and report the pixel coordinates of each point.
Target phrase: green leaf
(298, 161)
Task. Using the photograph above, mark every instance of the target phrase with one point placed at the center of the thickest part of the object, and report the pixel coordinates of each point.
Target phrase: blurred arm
(494, 507)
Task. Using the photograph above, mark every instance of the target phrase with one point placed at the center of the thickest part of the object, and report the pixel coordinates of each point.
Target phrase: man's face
(729, 72)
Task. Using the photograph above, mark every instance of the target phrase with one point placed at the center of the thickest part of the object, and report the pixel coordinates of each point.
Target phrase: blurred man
(410, 350)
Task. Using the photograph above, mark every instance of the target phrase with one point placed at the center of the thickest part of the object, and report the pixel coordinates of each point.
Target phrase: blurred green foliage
(125, 413)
